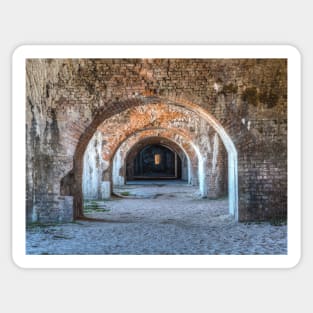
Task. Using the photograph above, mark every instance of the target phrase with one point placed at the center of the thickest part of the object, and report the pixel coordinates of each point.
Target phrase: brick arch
(230, 148)
(117, 107)
(114, 130)
(100, 115)
(145, 143)
(175, 138)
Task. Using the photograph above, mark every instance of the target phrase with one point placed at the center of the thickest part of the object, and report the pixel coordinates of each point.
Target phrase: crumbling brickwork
(68, 99)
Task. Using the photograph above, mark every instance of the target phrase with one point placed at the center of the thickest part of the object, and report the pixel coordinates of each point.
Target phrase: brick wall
(67, 100)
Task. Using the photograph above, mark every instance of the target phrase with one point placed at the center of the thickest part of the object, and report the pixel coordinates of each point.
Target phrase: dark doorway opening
(154, 161)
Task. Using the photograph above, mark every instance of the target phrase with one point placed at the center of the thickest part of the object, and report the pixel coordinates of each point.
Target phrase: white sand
(172, 220)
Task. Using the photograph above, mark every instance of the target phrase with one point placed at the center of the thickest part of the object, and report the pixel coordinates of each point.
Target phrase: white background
(92, 22)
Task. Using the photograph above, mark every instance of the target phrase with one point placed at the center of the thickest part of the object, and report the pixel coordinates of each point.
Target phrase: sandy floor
(158, 219)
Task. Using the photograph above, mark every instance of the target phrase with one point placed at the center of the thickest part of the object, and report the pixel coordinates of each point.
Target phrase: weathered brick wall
(94, 168)
(67, 99)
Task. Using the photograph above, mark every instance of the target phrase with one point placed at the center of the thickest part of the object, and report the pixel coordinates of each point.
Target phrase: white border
(150, 261)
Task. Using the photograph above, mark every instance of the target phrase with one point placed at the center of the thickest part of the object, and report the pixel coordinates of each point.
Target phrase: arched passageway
(188, 153)
(153, 161)
(208, 140)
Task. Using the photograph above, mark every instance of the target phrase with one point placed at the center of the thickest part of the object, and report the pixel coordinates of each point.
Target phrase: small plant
(94, 206)
(125, 193)
(102, 210)
(278, 221)
(40, 225)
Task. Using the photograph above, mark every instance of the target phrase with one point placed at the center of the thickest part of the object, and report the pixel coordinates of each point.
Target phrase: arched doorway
(154, 161)
(178, 103)
(176, 141)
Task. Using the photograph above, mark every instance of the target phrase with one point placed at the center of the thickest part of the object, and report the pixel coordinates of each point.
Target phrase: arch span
(143, 138)
(117, 108)
(183, 143)
(153, 160)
